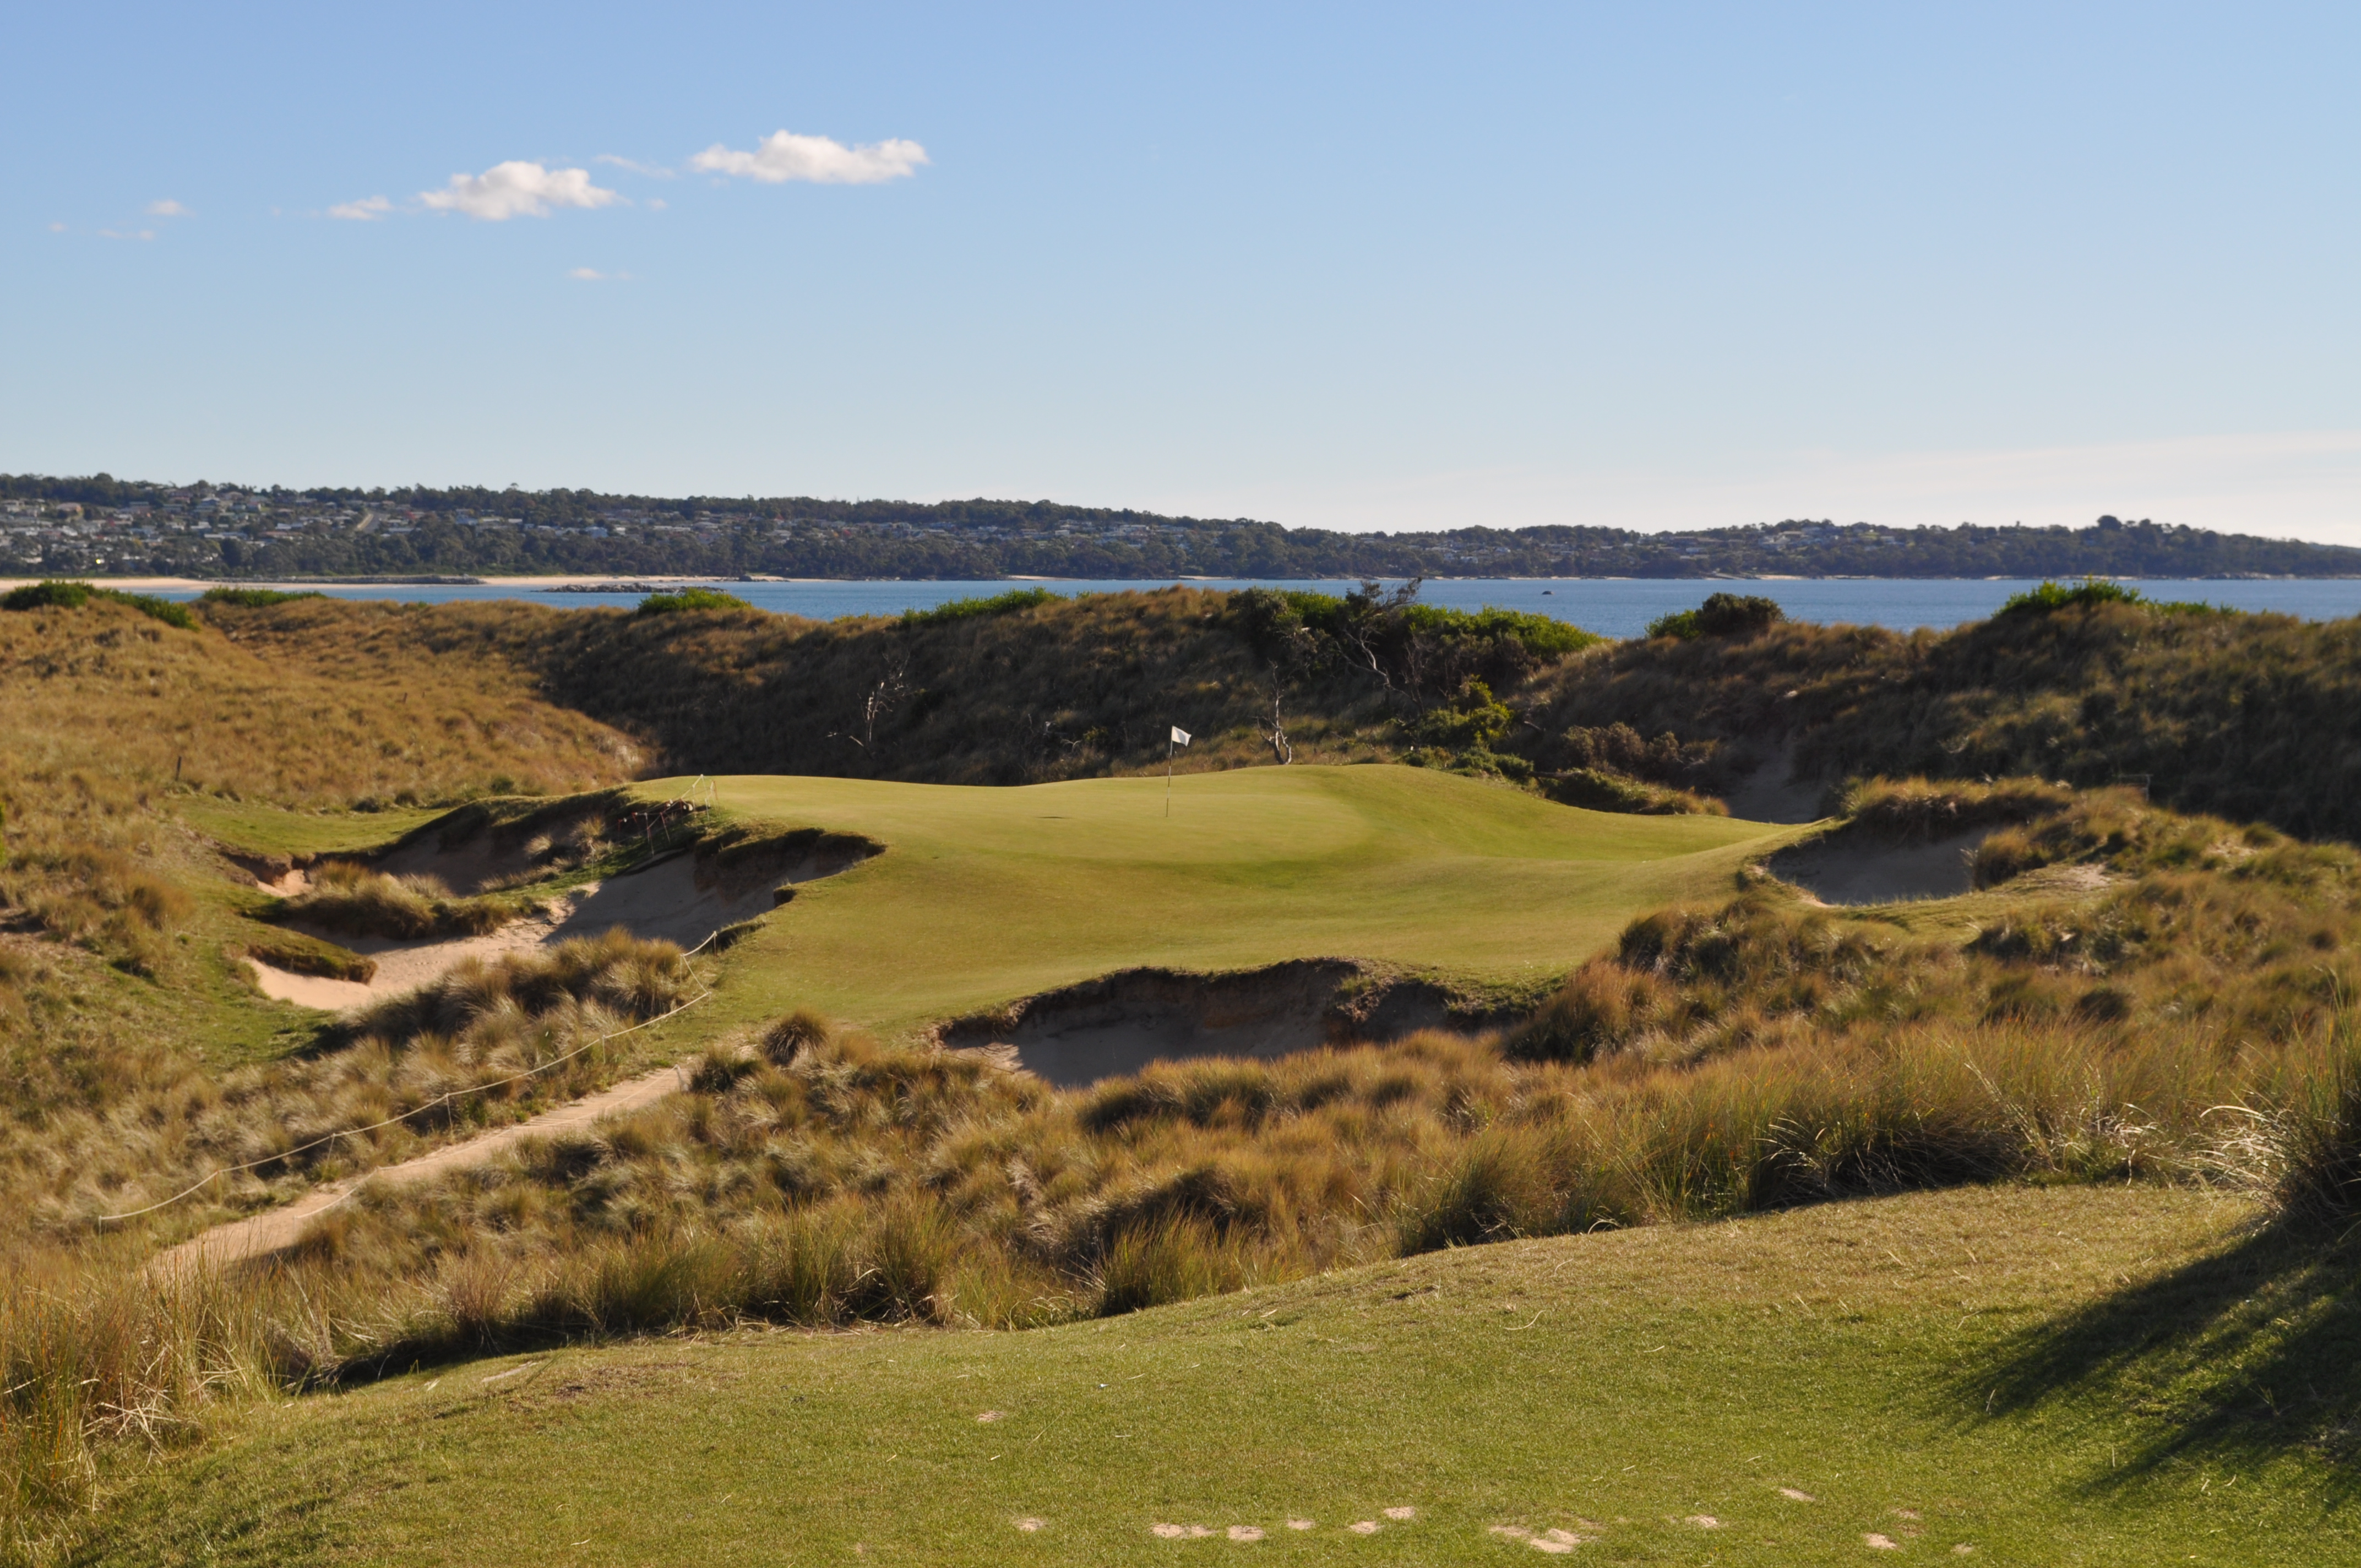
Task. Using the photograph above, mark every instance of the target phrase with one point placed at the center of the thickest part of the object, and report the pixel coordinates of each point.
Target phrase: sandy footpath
(283, 1228)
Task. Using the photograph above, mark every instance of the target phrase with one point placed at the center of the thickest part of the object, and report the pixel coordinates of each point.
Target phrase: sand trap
(673, 900)
(683, 898)
(1120, 1023)
(406, 965)
(1852, 867)
(283, 1228)
(463, 868)
(1771, 794)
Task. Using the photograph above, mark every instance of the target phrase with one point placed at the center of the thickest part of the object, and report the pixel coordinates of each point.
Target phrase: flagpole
(1167, 774)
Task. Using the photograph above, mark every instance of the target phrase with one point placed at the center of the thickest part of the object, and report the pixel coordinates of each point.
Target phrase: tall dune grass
(352, 899)
(486, 1042)
(819, 1178)
(961, 1193)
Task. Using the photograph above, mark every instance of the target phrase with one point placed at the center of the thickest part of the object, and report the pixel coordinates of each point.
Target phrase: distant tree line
(419, 532)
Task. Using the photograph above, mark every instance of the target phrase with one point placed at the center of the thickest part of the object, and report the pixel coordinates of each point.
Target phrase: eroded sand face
(1119, 1023)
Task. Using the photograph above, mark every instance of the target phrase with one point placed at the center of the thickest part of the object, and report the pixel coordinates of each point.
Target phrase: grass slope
(1937, 1371)
(986, 895)
(270, 830)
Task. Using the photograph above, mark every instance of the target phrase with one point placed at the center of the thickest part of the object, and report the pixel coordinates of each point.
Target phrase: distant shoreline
(592, 582)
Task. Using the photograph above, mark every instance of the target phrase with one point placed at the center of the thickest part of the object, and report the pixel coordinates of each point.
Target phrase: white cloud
(652, 171)
(57, 228)
(168, 208)
(592, 275)
(782, 156)
(367, 209)
(517, 187)
(656, 203)
(134, 233)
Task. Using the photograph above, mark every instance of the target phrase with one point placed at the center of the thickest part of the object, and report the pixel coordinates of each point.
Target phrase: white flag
(1180, 736)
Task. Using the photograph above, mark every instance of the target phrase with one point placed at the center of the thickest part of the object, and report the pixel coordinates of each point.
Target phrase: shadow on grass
(2246, 1356)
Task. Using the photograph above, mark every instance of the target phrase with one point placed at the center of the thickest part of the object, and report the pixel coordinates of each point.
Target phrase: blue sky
(1648, 265)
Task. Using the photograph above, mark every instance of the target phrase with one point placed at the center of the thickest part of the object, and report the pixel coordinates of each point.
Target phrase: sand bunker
(685, 898)
(1120, 1023)
(468, 854)
(406, 965)
(466, 867)
(1771, 794)
(1853, 867)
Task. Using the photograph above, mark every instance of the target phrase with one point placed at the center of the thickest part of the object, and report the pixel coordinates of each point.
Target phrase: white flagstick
(1178, 737)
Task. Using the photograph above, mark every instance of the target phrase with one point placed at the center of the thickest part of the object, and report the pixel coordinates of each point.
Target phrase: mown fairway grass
(986, 895)
(1884, 1357)
(267, 829)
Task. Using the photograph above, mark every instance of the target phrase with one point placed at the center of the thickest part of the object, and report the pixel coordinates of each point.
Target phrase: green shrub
(1721, 614)
(1477, 724)
(2091, 592)
(2053, 596)
(1543, 637)
(148, 605)
(1597, 789)
(1272, 611)
(962, 609)
(256, 599)
(52, 594)
(62, 595)
(670, 601)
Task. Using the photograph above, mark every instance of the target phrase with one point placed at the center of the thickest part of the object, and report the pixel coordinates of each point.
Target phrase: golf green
(986, 895)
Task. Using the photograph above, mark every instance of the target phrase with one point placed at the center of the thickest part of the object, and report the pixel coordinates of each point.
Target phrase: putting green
(987, 894)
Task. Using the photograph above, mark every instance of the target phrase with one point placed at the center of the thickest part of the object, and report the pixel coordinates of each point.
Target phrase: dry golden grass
(1724, 1059)
(373, 712)
(119, 943)
(350, 898)
(415, 1070)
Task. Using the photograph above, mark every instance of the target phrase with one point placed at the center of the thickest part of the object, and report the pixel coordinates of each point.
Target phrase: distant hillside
(2250, 716)
(119, 527)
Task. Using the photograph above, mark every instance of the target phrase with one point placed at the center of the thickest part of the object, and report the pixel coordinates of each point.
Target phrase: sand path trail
(283, 1228)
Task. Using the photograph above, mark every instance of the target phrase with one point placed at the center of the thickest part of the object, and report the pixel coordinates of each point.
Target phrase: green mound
(987, 894)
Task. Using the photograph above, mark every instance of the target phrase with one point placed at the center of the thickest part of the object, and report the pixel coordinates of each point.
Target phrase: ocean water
(1614, 606)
